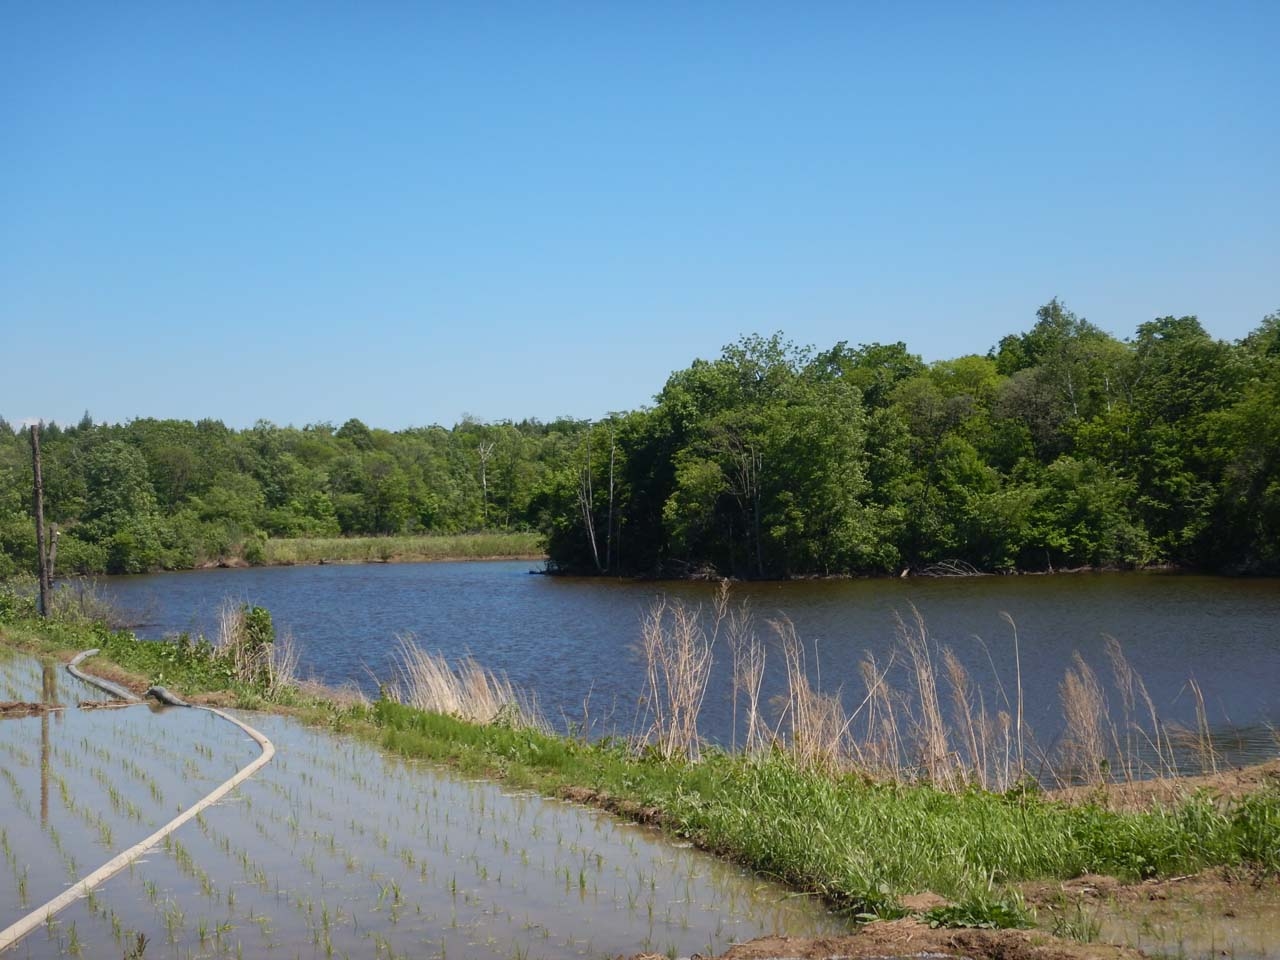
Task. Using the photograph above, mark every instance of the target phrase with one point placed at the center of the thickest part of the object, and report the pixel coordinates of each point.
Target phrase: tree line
(172, 494)
(1062, 446)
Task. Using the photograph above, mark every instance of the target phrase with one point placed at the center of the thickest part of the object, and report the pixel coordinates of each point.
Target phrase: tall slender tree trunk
(484, 450)
(586, 501)
(608, 535)
(42, 558)
(755, 521)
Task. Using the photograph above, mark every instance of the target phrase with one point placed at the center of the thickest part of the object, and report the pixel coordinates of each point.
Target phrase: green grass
(857, 843)
(467, 546)
(179, 665)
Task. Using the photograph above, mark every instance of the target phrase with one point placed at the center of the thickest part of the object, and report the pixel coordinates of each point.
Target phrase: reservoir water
(572, 642)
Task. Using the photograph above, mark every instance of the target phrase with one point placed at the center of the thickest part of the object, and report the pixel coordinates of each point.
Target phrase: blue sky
(405, 212)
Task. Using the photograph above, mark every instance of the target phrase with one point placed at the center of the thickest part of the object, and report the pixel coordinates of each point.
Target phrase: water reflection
(334, 849)
(572, 640)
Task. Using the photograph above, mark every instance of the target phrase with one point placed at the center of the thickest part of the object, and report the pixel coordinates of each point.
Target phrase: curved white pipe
(16, 931)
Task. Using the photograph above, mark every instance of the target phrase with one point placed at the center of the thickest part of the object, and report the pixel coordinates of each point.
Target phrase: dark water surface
(571, 641)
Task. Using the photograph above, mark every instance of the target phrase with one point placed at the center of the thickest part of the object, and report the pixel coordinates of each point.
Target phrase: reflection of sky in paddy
(334, 850)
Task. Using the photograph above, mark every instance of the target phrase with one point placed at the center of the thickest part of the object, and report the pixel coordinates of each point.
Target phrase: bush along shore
(862, 837)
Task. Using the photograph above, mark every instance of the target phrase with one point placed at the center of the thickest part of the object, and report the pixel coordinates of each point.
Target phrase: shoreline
(698, 802)
(707, 577)
(239, 563)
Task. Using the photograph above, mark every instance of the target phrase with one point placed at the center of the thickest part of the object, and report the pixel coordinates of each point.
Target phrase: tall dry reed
(468, 691)
(749, 660)
(879, 751)
(677, 656)
(817, 723)
(248, 643)
(921, 716)
(928, 728)
(1084, 741)
(1097, 747)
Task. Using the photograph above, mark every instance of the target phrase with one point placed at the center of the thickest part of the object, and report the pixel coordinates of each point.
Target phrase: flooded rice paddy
(333, 850)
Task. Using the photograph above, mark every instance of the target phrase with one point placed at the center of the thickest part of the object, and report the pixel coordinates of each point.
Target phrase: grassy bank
(859, 843)
(466, 546)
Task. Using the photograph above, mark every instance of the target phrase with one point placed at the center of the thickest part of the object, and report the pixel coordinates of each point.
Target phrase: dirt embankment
(21, 708)
(1146, 794)
(911, 938)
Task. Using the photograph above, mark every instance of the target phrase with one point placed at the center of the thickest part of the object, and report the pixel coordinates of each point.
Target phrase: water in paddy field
(333, 849)
(572, 640)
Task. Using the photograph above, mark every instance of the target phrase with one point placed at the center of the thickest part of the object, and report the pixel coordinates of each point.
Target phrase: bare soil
(20, 708)
(1220, 884)
(911, 938)
(1191, 904)
(1217, 912)
(1147, 794)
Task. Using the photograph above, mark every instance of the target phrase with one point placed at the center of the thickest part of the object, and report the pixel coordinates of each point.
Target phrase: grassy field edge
(859, 844)
(396, 549)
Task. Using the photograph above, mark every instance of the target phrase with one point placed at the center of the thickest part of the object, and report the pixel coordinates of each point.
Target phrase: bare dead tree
(586, 502)
(484, 451)
(608, 533)
(53, 551)
(42, 558)
(747, 465)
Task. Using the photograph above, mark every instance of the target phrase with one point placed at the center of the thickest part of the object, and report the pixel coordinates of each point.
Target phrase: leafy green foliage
(162, 494)
(1062, 447)
(981, 910)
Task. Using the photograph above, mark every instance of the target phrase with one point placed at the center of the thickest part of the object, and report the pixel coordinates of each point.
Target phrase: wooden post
(42, 558)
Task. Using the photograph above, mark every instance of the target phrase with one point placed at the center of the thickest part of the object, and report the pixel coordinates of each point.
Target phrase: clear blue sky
(405, 211)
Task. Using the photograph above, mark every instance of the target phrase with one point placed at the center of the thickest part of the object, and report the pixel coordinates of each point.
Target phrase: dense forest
(171, 494)
(1061, 447)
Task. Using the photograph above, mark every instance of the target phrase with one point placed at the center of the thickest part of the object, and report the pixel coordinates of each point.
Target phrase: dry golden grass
(467, 691)
(677, 656)
(423, 547)
(816, 721)
(748, 672)
(273, 663)
(921, 718)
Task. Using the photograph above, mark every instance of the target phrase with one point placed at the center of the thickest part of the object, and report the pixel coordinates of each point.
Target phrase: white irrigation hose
(120, 693)
(15, 932)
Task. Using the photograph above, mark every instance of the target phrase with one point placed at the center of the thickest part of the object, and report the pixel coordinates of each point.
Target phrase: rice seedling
(1076, 923)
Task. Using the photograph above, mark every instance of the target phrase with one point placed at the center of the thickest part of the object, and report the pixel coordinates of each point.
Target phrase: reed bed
(467, 546)
(677, 656)
(920, 717)
(247, 643)
(466, 691)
